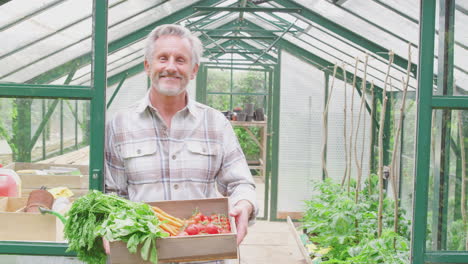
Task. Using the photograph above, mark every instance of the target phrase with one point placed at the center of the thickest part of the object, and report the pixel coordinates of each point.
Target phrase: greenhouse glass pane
(66, 128)
(357, 129)
(134, 88)
(408, 9)
(133, 15)
(407, 150)
(218, 80)
(381, 15)
(219, 102)
(447, 216)
(226, 18)
(48, 36)
(44, 152)
(118, 61)
(249, 82)
(359, 26)
(317, 41)
(461, 48)
(300, 133)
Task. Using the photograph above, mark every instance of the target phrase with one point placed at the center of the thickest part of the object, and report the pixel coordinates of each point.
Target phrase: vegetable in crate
(115, 218)
(198, 224)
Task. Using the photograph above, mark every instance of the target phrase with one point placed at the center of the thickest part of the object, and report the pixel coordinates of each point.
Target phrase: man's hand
(106, 246)
(241, 212)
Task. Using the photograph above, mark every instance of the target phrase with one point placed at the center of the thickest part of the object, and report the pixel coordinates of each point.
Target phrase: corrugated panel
(336, 156)
(133, 89)
(300, 131)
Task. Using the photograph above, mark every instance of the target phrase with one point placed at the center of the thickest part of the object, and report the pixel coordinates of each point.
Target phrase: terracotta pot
(39, 198)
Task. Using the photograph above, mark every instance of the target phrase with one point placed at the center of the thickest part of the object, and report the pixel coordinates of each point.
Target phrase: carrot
(169, 221)
(166, 215)
(170, 229)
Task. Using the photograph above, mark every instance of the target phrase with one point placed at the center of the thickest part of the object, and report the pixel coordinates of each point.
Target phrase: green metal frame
(275, 131)
(342, 31)
(246, 9)
(202, 93)
(331, 46)
(427, 102)
(309, 58)
(233, 25)
(96, 94)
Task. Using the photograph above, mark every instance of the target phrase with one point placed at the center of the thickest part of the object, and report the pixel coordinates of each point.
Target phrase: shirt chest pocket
(203, 157)
(141, 161)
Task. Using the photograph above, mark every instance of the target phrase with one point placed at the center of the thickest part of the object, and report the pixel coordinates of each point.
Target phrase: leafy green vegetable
(97, 214)
(334, 220)
(134, 226)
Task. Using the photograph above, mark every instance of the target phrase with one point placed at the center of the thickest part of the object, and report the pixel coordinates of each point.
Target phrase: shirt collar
(146, 103)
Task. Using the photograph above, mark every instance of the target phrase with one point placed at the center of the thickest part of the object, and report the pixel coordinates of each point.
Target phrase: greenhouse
(352, 116)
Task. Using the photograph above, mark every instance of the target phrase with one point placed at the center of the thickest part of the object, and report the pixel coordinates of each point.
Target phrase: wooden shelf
(249, 123)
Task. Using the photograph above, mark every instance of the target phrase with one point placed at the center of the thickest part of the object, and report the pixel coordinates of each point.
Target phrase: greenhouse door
(440, 200)
(230, 89)
(44, 113)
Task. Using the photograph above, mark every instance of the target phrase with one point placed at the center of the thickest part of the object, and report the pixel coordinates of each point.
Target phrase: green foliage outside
(249, 147)
(334, 222)
(22, 119)
(245, 82)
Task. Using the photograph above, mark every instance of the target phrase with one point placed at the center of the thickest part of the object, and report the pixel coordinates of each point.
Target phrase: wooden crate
(20, 226)
(188, 248)
(78, 184)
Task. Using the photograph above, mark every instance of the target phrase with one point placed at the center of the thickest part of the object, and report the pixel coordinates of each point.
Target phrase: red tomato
(197, 217)
(205, 218)
(192, 230)
(201, 228)
(211, 229)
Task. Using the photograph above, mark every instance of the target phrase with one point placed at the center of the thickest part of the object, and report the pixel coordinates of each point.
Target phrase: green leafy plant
(96, 214)
(248, 145)
(348, 229)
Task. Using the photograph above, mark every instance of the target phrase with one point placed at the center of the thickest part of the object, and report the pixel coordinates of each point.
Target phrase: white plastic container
(10, 183)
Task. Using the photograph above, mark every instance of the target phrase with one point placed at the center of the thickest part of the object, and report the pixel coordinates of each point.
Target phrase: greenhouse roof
(49, 41)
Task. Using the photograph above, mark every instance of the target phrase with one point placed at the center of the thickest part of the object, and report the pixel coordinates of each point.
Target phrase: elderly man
(169, 147)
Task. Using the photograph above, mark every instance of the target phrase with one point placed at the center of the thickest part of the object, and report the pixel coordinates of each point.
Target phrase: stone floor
(270, 243)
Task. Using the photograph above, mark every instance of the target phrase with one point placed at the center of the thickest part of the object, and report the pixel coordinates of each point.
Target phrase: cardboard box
(187, 248)
(78, 184)
(20, 226)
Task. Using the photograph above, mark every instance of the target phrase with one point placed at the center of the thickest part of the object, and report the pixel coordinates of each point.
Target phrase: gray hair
(173, 30)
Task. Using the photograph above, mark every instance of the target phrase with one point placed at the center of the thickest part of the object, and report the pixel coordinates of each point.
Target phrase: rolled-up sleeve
(114, 171)
(234, 179)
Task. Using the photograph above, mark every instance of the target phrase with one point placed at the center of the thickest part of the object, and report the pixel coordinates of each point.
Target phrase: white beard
(162, 89)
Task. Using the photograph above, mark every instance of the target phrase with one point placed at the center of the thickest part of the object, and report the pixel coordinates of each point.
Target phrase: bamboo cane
(371, 145)
(382, 124)
(356, 160)
(325, 123)
(393, 174)
(352, 124)
(343, 67)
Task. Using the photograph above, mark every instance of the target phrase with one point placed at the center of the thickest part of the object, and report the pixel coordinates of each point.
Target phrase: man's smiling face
(171, 67)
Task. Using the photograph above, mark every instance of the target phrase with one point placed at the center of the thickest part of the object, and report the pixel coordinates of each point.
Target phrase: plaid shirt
(197, 157)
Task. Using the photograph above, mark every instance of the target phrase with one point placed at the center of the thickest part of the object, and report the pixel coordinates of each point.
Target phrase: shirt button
(173, 157)
(204, 150)
(176, 186)
(138, 151)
